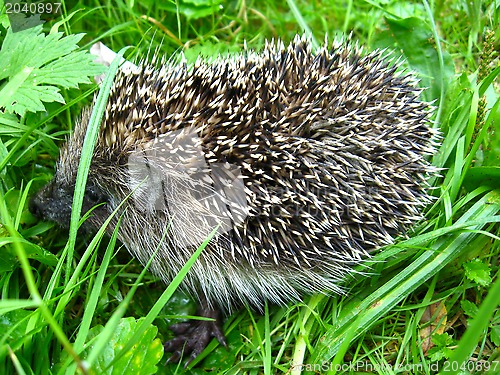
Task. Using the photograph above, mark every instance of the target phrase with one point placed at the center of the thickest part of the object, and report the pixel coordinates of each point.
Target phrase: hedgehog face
(54, 201)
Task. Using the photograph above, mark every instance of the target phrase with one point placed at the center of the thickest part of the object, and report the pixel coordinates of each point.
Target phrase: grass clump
(427, 304)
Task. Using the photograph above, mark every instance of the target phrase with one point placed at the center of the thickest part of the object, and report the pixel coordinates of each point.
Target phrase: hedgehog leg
(193, 337)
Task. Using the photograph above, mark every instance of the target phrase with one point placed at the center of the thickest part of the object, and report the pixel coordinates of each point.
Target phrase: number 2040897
(32, 8)
(471, 366)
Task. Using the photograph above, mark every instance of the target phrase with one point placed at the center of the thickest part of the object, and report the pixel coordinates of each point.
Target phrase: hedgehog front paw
(193, 336)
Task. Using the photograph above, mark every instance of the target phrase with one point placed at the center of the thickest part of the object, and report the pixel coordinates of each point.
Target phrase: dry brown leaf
(434, 319)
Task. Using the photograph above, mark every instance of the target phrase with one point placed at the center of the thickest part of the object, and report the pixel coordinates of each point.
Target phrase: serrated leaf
(32, 48)
(140, 359)
(35, 66)
(477, 271)
(470, 309)
(442, 340)
(437, 354)
(495, 335)
(440, 350)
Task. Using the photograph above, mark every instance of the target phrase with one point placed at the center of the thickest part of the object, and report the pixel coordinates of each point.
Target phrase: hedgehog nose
(34, 206)
(40, 202)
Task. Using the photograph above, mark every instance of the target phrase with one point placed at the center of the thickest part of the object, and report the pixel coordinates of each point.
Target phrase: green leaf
(495, 335)
(470, 309)
(442, 340)
(8, 306)
(414, 38)
(440, 350)
(199, 3)
(437, 354)
(140, 359)
(479, 272)
(476, 328)
(35, 66)
(13, 323)
(8, 259)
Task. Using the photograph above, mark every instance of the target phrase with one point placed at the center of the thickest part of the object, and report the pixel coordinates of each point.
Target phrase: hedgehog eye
(93, 195)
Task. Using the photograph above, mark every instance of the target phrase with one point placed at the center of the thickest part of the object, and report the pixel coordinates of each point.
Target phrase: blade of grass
(457, 170)
(304, 324)
(477, 328)
(366, 312)
(302, 22)
(31, 284)
(86, 156)
(7, 305)
(158, 306)
(437, 39)
(17, 365)
(490, 78)
(81, 180)
(95, 294)
(267, 360)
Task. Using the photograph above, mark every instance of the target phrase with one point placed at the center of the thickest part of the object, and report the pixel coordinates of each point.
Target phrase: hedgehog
(304, 161)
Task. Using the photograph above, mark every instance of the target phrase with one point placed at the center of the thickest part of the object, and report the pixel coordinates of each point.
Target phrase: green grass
(429, 303)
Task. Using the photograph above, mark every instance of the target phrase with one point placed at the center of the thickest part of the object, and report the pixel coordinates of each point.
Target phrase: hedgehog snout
(52, 203)
(34, 206)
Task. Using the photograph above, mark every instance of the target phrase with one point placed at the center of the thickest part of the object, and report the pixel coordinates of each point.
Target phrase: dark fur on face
(54, 201)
